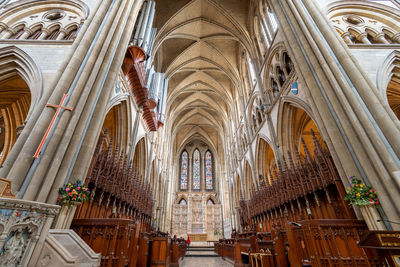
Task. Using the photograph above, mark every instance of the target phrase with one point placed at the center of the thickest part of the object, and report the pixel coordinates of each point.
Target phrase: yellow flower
(362, 185)
(358, 194)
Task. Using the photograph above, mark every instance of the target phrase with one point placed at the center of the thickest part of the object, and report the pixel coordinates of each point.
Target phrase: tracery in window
(196, 170)
(184, 170)
(209, 170)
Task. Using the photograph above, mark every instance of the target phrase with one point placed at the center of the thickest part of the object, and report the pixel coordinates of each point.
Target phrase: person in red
(188, 241)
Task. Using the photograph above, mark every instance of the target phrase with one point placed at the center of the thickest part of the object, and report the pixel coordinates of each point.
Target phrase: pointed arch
(20, 90)
(265, 160)
(140, 155)
(295, 125)
(388, 81)
(184, 170)
(249, 180)
(196, 166)
(209, 170)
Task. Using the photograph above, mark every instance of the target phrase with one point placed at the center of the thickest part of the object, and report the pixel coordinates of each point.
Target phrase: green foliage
(216, 232)
(360, 194)
(73, 192)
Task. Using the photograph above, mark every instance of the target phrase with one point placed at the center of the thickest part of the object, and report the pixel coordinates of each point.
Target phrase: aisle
(205, 261)
(200, 255)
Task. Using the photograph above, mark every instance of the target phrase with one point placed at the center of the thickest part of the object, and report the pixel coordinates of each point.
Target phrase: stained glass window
(196, 170)
(184, 170)
(209, 171)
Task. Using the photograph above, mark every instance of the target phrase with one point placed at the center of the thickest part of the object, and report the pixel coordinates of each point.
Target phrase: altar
(198, 237)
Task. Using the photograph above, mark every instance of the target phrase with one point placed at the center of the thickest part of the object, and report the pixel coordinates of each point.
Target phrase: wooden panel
(198, 237)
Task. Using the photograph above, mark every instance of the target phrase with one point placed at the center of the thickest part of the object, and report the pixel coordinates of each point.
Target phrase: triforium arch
(43, 20)
(256, 115)
(279, 72)
(363, 22)
(20, 89)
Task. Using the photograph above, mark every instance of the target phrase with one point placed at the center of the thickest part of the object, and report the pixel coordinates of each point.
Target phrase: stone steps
(201, 252)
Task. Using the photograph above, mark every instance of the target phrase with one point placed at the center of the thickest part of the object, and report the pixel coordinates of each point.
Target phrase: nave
(132, 131)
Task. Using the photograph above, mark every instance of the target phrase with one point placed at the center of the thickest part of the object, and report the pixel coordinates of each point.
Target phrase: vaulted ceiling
(199, 46)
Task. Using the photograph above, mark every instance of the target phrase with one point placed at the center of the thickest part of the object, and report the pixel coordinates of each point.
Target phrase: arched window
(209, 170)
(184, 170)
(273, 20)
(196, 170)
(210, 202)
(252, 71)
(182, 201)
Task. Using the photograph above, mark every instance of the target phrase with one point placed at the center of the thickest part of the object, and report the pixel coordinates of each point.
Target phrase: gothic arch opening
(139, 158)
(182, 201)
(393, 90)
(298, 129)
(115, 124)
(250, 186)
(20, 89)
(266, 161)
(15, 101)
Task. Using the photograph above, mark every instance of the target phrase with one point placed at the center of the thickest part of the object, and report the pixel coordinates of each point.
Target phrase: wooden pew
(178, 251)
(160, 251)
(113, 238)
(262, 259)
(144, 246)
(332, 243)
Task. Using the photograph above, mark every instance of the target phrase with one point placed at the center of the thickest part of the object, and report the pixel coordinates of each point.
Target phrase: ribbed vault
(198, 47)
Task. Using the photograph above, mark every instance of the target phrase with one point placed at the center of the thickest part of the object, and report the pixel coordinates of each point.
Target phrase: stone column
(61, 35)
(26, 34)
(380, 38)
(189, 214)
(88, 78)
(356, 123)
(363, 37)
(346, 38)
(396, 38)
(44, 34)
(7, 33)
(3, 26)
(238, 229)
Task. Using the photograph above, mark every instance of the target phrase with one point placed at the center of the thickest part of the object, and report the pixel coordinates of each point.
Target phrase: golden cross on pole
(59, 107)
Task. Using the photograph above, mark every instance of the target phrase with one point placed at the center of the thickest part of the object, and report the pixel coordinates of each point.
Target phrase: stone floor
(204, 261)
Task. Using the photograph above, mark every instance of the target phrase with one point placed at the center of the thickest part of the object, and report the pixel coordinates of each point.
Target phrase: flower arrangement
(73, 192)
(360, 194)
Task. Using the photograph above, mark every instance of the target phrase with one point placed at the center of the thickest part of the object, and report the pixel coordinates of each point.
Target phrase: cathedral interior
(200, 133)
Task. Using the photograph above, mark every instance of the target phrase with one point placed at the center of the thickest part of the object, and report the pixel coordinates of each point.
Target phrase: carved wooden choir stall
(300, 219)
